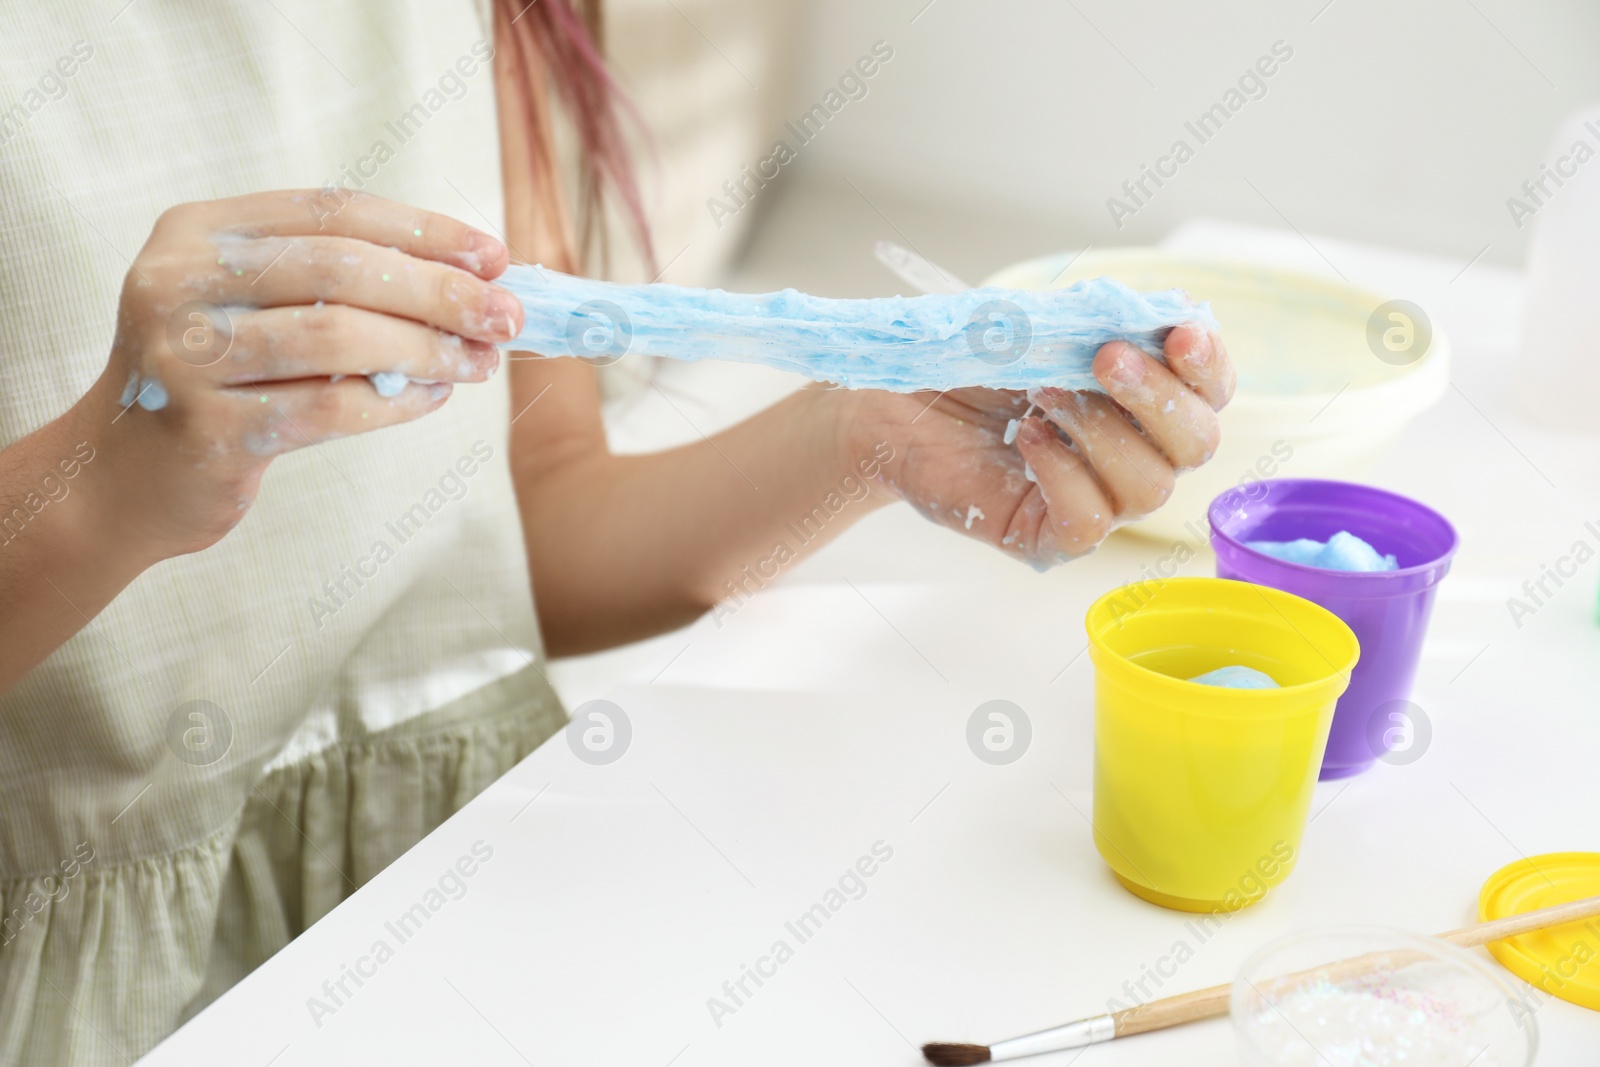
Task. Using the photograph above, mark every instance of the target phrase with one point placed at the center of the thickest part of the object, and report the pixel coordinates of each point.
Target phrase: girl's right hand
(247, 328)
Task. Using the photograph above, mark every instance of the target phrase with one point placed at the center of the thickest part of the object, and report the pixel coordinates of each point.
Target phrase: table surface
(825, 721)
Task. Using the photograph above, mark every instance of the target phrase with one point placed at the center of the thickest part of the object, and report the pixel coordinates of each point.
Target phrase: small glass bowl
(1371, 997)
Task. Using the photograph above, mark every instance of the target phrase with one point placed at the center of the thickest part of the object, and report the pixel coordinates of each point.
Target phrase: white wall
(1401, 122)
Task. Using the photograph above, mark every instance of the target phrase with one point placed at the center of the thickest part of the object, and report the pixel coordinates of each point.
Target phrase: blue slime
(1344, 551)
(1237, 678)
(996, 338)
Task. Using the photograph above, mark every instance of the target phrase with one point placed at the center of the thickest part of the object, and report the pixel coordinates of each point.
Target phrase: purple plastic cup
(1388, 610)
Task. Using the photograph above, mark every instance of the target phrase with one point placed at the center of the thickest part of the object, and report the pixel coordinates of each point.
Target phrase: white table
(828, 714)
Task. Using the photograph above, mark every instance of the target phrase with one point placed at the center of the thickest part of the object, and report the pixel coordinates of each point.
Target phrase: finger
(1136, 475)
(1172, 415)
(274, 271)
(1079, 514)
(991, 407)
(1200, 360)
(281, 343)
(296, 414)
(335, 212)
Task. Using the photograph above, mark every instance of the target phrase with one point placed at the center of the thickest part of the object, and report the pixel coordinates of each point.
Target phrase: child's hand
(953, 465)
(246, 329)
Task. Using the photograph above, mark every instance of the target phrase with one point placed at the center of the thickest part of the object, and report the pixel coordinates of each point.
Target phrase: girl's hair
(557, 44)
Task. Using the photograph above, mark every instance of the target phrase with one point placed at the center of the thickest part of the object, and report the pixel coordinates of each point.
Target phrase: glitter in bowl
(1374, 998)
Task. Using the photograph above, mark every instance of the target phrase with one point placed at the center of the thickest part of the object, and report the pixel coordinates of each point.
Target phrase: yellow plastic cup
(1201, 793)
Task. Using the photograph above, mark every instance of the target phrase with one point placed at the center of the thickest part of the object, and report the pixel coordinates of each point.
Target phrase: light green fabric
(145, 865)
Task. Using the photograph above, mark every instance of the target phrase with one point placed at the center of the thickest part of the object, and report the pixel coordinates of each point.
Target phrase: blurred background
(1000, 130)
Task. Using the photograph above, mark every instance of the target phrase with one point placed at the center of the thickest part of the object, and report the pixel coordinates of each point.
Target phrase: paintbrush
(1207, 1003)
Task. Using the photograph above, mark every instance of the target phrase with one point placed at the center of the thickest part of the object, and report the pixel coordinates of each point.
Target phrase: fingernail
(505, 314)
(1126, 370)
(1201, 351)
(484, 246)
(438, 392)
(1030, 429)
(485, 357)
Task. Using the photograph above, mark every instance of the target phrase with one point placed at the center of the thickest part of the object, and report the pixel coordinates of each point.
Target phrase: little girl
(264, 628)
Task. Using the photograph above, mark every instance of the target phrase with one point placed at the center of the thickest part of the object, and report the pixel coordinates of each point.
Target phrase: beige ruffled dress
(247, 734)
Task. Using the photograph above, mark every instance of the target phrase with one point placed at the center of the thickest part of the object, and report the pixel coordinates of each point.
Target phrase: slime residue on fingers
(148, 393)
(1344, 551)
(996, 338)
(389, 383)
(152, 395)
(1237, 677)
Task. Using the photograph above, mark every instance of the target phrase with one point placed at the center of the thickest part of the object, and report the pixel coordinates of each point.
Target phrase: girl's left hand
(1081, 464)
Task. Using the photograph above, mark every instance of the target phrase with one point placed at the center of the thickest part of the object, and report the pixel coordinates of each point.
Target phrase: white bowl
(1314, 398)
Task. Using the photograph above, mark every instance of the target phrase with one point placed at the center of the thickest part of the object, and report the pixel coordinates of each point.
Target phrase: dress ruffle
(98, 964)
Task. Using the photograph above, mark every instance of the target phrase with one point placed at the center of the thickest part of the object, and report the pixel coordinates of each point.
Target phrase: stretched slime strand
(996, 338)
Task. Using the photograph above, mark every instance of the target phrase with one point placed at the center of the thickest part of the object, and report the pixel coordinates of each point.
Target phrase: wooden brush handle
(1206, 1003)
(1525, 923)
(1171, 1011)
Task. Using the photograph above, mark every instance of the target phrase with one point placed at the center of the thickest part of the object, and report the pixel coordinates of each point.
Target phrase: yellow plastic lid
(1563, 961)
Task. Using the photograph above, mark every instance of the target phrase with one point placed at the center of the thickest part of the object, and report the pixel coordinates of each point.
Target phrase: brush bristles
(953, 1055)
